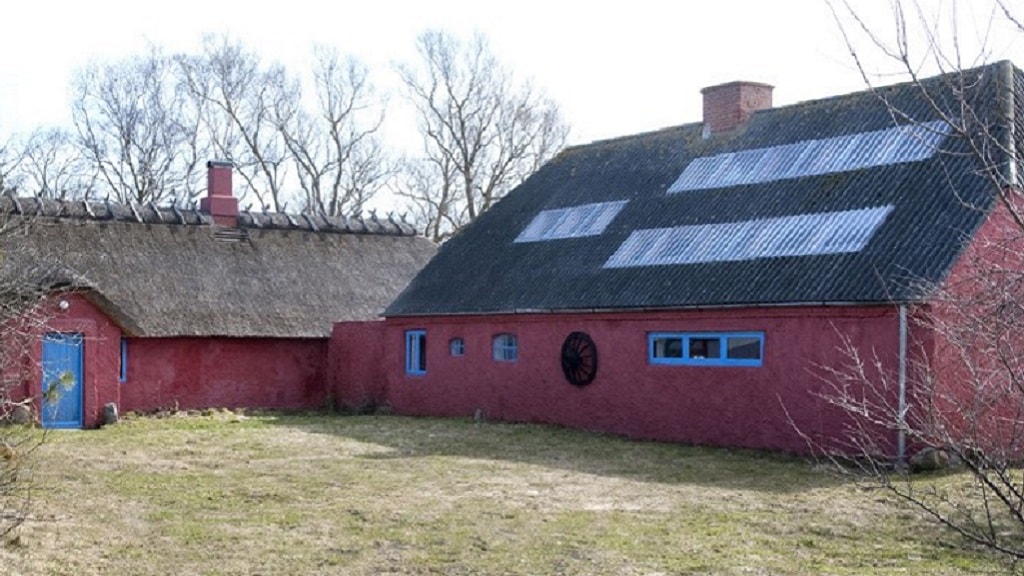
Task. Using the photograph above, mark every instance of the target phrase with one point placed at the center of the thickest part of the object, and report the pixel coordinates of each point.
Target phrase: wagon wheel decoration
(579, 359)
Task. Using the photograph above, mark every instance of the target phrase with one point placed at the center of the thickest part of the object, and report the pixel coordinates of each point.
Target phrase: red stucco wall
(356, 374)
(189, 373)
(100, 360)
(728, 406)
(974, 393)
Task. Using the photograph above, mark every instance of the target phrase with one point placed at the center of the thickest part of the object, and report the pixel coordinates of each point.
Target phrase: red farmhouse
(164, 307)
(690, 284)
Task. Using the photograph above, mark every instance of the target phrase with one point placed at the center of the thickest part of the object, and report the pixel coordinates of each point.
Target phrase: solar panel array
(896, 145)
(571, 222)
(800, 235)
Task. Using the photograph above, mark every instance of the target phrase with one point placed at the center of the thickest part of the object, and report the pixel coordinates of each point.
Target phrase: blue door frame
(62, 380)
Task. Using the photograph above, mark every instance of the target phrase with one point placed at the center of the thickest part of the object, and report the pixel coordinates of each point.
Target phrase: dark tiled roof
(162, 272)
(937, 204)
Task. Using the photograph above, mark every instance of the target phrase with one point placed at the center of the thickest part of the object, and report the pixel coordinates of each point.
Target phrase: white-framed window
(505, 348)
(416, 352)
(457, 347)
(706, 348)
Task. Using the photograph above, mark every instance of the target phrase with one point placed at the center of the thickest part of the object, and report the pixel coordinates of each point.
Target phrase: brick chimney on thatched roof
(220, 203)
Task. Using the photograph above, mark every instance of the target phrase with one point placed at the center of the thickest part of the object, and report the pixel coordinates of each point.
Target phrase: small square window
(506, 348)
(457, 347)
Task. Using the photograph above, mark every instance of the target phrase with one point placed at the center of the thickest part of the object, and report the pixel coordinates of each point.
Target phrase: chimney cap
(736, 83)
(220, 164)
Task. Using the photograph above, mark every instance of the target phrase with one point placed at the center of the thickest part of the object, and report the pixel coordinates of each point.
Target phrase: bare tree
(10, 161)
(339, 158)
(242, 102)
(964, 379)
(134, 127)
(52, 166)
(483, 133)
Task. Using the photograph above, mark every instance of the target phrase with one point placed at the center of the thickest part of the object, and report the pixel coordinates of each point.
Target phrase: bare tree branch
(238, 98)
(130, 122)
(965, 381)
(340, 160)
(482, 133)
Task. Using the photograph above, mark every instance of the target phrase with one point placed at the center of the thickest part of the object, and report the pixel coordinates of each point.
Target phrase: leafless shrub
(24, 311)
(958, 394)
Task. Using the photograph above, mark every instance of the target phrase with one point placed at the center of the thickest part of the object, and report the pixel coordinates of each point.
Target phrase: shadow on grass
(568, 449)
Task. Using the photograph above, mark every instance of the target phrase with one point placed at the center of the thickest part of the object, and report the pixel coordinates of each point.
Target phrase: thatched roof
(166, 271)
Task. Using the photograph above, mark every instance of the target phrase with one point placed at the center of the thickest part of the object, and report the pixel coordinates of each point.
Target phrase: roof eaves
(682, 308)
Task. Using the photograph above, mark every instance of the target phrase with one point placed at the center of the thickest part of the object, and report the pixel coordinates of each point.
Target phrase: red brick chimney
(727, 106)
(220, 202)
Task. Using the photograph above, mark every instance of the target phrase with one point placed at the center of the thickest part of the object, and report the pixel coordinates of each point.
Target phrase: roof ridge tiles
(811, 103)
(150, 213)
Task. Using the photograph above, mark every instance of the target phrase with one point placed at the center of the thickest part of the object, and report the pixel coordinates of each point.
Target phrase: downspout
(1009, 113)
(901, 435)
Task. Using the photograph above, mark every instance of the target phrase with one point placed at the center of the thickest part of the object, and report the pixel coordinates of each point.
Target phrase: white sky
(614, 69)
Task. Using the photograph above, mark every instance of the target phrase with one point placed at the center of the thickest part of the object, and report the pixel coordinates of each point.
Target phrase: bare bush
(957, 395)
(24, 312)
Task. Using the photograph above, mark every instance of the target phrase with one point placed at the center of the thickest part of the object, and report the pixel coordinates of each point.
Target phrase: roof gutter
(807, 304)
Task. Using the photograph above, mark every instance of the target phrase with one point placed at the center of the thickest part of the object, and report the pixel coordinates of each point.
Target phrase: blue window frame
(706, 348)
(124, 360)
(416, 352)
(506, 348)
(457, 347)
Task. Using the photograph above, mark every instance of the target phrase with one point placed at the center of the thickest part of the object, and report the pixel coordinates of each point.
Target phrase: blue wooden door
(62, 380)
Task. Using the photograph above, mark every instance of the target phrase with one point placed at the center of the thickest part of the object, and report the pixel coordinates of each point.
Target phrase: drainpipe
(901, 437)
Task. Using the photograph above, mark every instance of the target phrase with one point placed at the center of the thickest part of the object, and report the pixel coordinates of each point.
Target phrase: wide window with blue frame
(416, 352)
(706, 348)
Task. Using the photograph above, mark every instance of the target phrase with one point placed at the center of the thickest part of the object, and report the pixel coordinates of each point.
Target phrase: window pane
(124, 360)
(743, 348)
(506, 348)
(668, 347)
(416, 352)
(457, 347)
(421, 358)
(701, 348)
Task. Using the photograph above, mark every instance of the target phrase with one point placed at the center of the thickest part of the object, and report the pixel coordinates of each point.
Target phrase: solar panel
(800, 235)
(571, 222)
(896, 145)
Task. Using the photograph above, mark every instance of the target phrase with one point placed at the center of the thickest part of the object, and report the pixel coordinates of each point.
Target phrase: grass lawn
(281, 494)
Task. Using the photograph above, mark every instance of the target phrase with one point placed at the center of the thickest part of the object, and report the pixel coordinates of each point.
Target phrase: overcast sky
(614, 68)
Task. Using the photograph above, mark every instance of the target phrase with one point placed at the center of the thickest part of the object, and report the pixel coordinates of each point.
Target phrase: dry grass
(274, 494)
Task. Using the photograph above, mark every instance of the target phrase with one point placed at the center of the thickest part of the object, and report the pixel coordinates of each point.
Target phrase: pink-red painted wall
(183, 373)
(765, 407)
(355, 369)
(100, 354)
(973, 397)
(189, 373)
